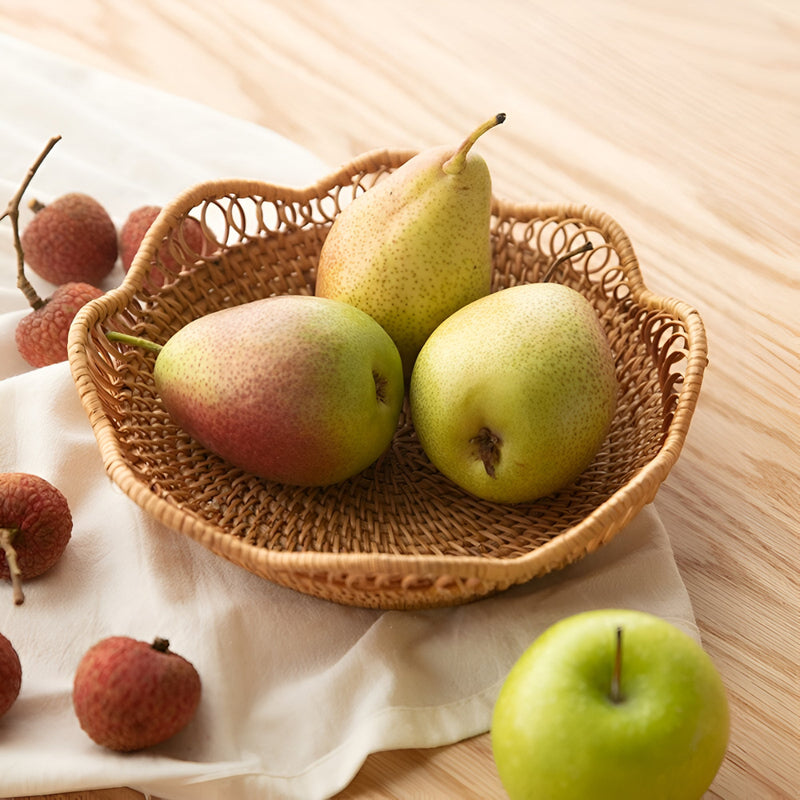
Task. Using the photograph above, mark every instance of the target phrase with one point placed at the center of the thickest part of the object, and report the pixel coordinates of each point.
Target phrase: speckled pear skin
(414, 248)
(301, 390)
(528, 374)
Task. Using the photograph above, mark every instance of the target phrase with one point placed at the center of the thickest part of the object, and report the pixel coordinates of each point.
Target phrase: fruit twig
(12, 212)
(6, 537)
(584, 248)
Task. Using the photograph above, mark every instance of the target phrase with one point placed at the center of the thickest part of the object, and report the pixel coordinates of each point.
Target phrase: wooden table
(682, 121)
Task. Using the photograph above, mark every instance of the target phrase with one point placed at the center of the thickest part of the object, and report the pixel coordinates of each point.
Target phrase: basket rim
(604, 522)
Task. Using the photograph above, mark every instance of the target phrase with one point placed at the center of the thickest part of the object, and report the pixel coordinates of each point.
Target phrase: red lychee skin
(42, 335)
(10, 675)
(72, 239)
(35, 516)
(133, 232)
(130, 694)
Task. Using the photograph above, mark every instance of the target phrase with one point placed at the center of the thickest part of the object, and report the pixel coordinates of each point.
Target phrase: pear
(415, 247)
(513, 395)
(300, 390)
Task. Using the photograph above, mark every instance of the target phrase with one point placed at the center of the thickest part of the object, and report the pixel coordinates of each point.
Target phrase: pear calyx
(488, 449)
(456, 162)
(380, 387)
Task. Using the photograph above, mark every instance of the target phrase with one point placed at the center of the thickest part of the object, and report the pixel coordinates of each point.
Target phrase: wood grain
(680, 120)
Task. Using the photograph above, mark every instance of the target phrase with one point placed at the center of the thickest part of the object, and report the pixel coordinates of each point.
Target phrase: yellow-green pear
(415, 247)
(513, 395)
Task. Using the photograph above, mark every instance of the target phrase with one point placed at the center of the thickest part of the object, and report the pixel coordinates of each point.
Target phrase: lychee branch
(12, 212)
(6, 538)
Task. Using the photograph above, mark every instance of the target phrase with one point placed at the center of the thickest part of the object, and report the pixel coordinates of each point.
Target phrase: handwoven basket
(398, 535)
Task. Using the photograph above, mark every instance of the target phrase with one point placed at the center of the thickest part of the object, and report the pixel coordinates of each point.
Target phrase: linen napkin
(296, 691)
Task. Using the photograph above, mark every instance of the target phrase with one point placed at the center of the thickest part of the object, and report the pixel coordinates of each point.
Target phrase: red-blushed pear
(297, 389)
(513, 395)
(609, 704)
(416, 246)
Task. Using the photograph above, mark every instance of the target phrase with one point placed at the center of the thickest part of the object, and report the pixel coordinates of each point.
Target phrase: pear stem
(584, 248)
(458, 160)
(12, 212)
(134, 341)
(6, 537)
(616, 675)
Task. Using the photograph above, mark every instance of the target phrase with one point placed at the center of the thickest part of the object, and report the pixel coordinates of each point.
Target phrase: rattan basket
(399, 535)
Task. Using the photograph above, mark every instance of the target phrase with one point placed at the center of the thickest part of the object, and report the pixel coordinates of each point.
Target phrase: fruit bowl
(399, 534)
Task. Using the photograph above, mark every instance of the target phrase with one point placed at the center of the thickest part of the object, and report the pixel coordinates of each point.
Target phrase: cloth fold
(296, 691)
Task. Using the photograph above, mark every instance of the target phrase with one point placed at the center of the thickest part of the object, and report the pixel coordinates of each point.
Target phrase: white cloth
(296, 691)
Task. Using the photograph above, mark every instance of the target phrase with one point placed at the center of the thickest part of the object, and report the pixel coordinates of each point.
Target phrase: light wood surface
(680, 120)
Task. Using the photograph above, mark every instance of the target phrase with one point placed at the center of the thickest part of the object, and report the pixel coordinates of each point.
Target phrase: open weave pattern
(398, 535)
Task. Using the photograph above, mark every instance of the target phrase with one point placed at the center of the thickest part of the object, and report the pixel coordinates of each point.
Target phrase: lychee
(72, 239)
(130, 694)
(133, 231)
(35, 527)
(10, 675)
(42, 335)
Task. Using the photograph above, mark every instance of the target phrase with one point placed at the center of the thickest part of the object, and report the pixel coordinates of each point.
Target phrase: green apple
(513, 395)
(610, 704)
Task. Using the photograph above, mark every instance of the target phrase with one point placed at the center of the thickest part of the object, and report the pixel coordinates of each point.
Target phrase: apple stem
(584, 248)
(457, 161)
(616, 675)
(6, 537)
(135, 341)
(162, 645)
